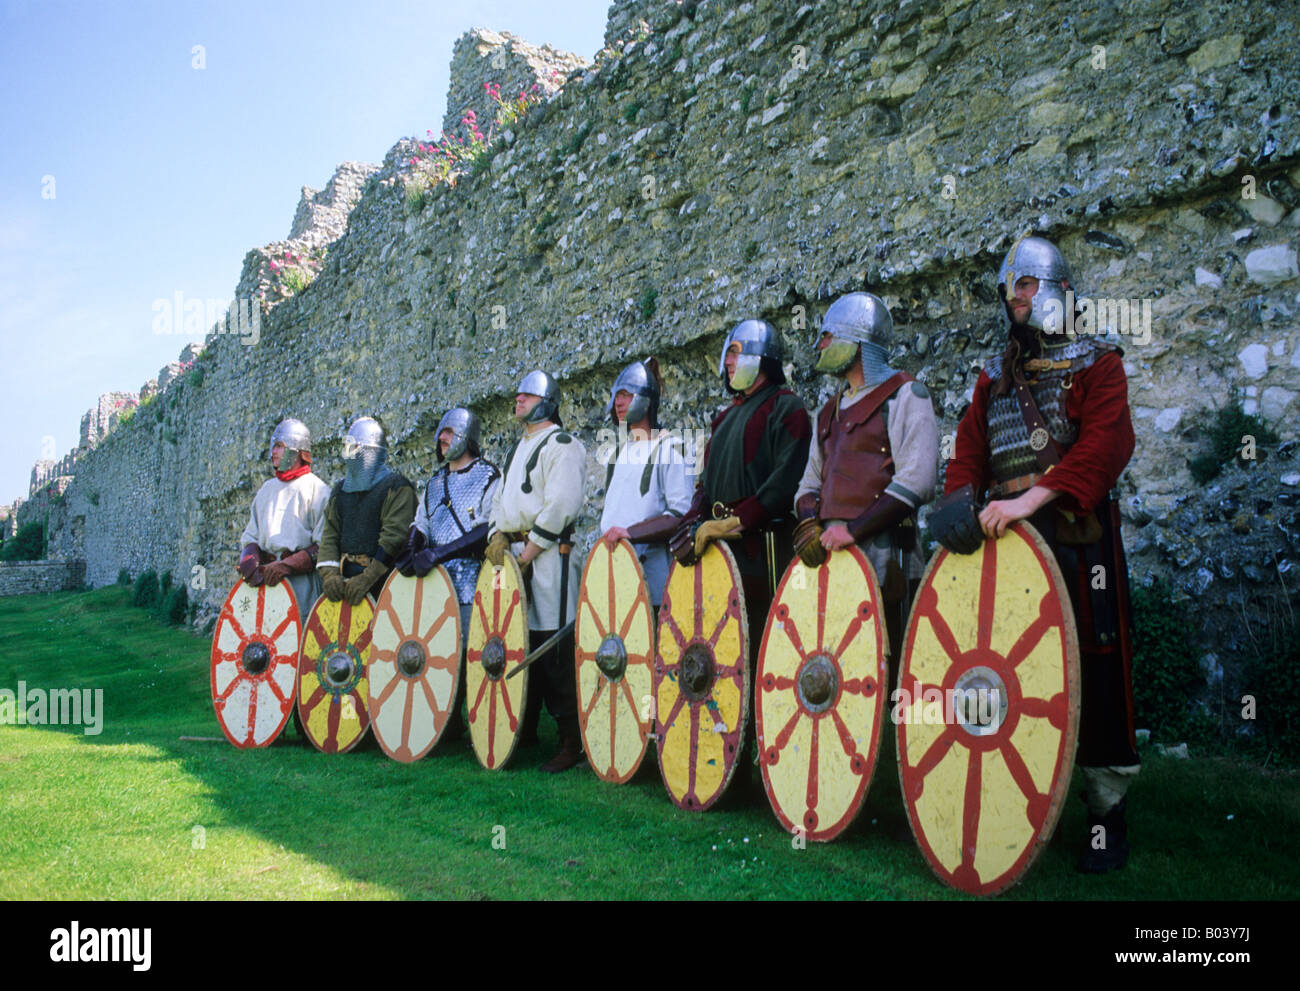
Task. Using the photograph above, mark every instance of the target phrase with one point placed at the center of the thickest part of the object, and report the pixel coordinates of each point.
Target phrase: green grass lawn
(136, 812)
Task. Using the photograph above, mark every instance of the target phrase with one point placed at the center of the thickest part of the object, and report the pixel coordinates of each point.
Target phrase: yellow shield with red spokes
(819, 703)
(988, 710)
(701, 678)
(498, 640)
(333, 690)
(614, 661)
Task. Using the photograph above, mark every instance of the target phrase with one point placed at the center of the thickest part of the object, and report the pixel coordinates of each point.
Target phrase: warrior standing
(646, 491)
(750, 470)
(1046, 436)
(533, 515)
(287, 519)
(366, 519)
(452, 520)
(875, 458)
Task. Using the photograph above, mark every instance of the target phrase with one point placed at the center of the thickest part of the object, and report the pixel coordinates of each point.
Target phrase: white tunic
(288, 516)
(541, 494)
(649, 479)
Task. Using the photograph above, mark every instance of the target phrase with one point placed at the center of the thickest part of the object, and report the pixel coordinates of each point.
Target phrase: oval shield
(414, 662)
(819, 703)
(498, 640)
(701, 678)
(254, 665)
(332, 675)
(614, 658)
(988, 710)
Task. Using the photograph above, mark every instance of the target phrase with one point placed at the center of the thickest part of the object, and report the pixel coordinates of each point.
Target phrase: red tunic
(1097, 402)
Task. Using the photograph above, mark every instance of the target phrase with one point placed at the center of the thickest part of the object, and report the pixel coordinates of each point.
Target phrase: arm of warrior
(914, 445)
(969, 464)
(395, 522)
(1098, 401)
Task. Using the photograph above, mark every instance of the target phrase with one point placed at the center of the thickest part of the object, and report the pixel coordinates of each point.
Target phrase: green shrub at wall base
(28, 544)
(124, 577)
(145, 594)
(1166, 667)
(176, 606)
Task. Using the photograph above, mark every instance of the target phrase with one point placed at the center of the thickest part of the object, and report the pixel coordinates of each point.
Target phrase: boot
(1113, 853)
(570, 755)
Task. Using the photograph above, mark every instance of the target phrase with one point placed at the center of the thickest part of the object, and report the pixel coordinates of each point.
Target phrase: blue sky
(164, 175)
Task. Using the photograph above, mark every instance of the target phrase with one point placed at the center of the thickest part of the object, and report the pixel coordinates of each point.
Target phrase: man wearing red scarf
(287, 519)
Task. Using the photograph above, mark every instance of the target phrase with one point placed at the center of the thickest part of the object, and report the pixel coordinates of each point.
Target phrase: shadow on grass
(445, 828)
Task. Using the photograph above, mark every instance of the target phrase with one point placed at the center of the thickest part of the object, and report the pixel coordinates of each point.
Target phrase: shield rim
(521, 616)
(1070, 737)
(362, 703)
(746, 678)
(824, 835)
(373, 704)
(623, 549)
(296, 617)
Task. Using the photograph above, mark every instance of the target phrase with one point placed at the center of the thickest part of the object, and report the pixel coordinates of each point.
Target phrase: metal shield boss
(701, 678)
(498, 640)
(988, 710)
(822, 678)
(614, 659)
(254, 665)
(333, 689)
(414, 663)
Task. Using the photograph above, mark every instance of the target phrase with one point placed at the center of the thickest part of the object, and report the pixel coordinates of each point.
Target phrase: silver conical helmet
(465, 430)
(1040, 258)
(637, 380)
(758, 340)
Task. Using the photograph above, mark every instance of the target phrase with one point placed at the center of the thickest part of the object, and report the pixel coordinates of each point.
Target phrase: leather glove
(250, 564)
(332, 583)
(356, 587)
(682, 543)
(415, 542)
(954, 521)
(423, 562)
(715, 530)
(808, 542)
(497, 546)
(276, 572)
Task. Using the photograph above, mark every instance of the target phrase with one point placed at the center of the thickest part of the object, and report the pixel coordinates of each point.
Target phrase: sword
(544, 647)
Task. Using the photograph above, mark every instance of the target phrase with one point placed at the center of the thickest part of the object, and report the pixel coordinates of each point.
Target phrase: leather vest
(359, 515)
(857, 463)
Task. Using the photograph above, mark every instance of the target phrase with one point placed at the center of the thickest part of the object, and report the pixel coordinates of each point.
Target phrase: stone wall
(728, 160)
(37, 577)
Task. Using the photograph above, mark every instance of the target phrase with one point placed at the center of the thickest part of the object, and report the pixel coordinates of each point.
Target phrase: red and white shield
(254, 664)
(414, 662)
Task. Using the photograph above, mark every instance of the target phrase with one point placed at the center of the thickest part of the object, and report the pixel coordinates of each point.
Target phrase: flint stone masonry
(38, 577)
(481, 56)
(656, 200)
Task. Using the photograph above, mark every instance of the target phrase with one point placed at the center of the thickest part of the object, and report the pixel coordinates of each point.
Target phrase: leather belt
(1019, 484)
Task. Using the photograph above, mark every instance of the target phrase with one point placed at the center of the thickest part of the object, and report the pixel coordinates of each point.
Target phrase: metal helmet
(860, 318)
(465, 430)
(1040, 258)
(365, 448)
(538, 383)
(295, 437)
(637, 380)
(758, 340)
